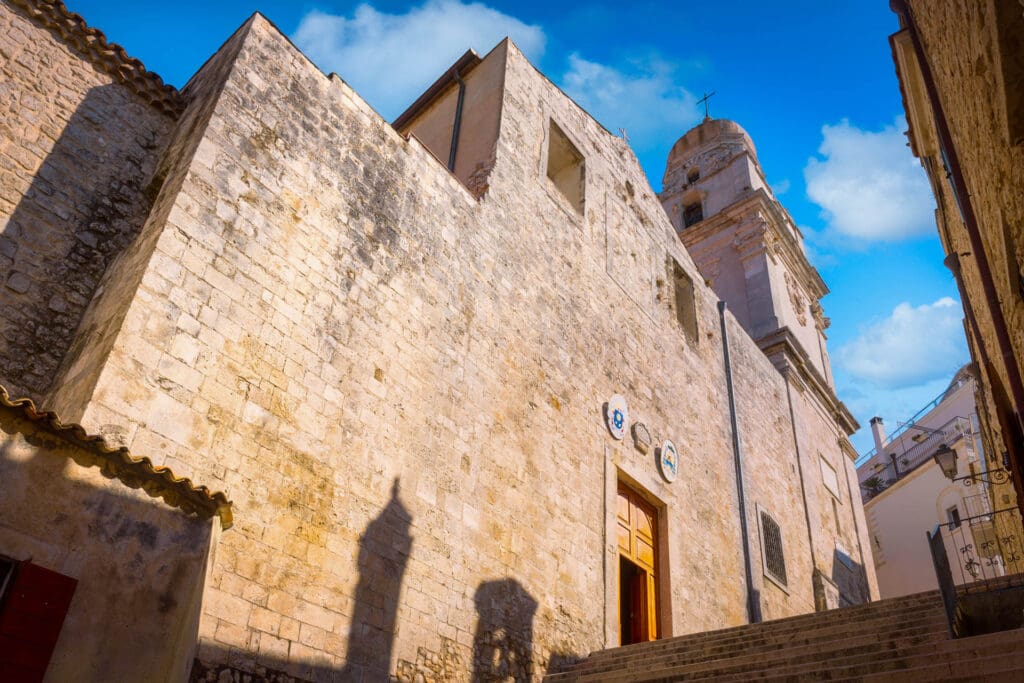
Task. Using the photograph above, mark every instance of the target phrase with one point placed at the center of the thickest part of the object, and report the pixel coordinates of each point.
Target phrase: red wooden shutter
(31, 617)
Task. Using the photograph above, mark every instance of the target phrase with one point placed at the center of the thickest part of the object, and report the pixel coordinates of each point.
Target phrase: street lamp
(946, 457)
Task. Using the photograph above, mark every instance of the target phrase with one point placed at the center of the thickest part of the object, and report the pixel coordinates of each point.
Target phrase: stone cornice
(107, 57)
(785, 347)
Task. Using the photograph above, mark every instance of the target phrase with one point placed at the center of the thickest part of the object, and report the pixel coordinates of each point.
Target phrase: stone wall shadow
(383, 555)
(140, 564)
(851, 579)
(86, 202)
(503, 642)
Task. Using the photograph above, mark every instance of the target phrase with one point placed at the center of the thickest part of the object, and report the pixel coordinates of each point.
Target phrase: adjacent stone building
(469, 406)
(961, 71)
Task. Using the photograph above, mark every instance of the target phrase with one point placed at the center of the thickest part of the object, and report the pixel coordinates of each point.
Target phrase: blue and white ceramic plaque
(618, 416)
(668, 461)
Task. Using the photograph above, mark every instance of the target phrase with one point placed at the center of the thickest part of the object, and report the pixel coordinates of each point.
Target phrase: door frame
(642, 485)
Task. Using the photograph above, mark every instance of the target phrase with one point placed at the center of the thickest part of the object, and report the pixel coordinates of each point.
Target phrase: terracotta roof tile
(92, 450)
(108, 57)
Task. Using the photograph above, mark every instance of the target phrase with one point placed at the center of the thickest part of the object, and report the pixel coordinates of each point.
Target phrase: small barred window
(774, 557)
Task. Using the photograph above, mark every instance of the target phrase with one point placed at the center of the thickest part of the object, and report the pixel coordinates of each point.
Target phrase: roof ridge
(118, 462)
(105, 56)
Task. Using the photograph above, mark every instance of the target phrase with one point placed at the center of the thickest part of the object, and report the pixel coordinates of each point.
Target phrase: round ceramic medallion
(617, 416)
(668, 461)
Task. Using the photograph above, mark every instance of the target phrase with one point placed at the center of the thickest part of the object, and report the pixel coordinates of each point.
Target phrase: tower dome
(727, 135)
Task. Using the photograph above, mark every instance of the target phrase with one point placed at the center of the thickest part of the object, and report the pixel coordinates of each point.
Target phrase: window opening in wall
(566, 167)
(685, 303)
(692, 213)
(774, 556)
(953, 515)
(637, 540)
(693, 174)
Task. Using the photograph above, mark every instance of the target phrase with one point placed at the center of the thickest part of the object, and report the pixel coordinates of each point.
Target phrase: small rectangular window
(953, 515)
(565, 167)
(774, 556)
(685, 304)
(692, 213)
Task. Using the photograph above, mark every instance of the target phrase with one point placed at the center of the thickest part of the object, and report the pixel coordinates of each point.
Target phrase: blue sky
(812, 82)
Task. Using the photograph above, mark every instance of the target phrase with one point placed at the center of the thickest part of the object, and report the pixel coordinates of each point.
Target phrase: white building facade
(906, 494)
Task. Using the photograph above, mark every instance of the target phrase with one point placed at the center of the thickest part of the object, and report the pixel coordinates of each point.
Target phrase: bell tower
(748, 247)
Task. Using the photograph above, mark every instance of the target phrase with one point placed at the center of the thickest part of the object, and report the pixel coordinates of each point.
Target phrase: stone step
(752, 666)
(824, 640)
(879, 611)
(903, 639)
(761, 635)
(850, 665)
(1002, 667)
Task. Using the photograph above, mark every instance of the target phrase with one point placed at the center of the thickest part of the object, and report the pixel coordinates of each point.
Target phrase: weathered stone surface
(78, 147)
(974, 54)
(400, 382)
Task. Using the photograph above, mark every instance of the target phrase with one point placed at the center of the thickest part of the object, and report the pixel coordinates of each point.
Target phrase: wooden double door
(637, 540)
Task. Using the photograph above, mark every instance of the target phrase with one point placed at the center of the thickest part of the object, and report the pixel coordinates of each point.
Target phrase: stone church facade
(455, 398)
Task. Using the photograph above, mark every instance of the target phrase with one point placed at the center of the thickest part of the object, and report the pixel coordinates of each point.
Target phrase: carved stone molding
(796, 298)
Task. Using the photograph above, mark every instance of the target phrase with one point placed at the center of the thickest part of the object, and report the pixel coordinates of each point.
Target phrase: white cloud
(644, 99)
(780, 188)
(389, 59)
(869, 185)
(912, 346)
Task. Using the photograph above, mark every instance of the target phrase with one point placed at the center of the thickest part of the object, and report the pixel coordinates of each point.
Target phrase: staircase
(901, 639)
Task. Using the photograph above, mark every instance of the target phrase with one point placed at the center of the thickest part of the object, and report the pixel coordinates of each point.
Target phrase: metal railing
(940, 560)
(904, 426)
(899, 465)
(969, 554)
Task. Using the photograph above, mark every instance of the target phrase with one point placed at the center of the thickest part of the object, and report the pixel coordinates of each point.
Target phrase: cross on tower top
(704, 101)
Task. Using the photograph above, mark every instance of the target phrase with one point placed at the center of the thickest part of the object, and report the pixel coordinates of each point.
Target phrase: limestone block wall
(974, 54)
(771, 476)
(103, 319)
(77, 147)
(687, 382)
(401, 387)
(962, 44)
(838, 530)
